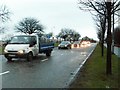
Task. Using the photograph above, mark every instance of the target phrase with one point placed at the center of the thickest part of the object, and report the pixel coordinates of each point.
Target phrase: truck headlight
(21, 51)
(65, 45)
(6, 51)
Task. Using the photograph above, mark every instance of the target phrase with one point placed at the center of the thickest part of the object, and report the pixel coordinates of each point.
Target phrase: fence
(117, 51)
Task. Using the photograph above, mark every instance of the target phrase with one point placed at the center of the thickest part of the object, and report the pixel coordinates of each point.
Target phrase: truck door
(35, 48)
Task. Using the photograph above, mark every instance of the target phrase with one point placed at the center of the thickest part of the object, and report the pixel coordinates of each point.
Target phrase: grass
(56, 44)
(1, 50)
(93, 73)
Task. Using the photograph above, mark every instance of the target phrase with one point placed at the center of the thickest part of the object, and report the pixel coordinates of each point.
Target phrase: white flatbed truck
(28, 46)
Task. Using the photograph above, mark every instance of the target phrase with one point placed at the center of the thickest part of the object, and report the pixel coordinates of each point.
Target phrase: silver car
(64, 44)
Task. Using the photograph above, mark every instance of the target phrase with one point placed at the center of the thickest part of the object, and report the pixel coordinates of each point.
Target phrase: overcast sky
(53, 14)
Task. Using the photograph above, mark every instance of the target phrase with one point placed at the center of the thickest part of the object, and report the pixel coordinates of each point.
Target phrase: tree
(4, 16)
(29, 26)
(2, 29)
(109, 38)
(86, 38)
(99, 35)
(109, 8)
(101, 28)
(4, 13)
(76, 36)
(49, 35)
(69, 34)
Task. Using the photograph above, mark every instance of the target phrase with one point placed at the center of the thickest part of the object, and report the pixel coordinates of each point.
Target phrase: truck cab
(28, 46)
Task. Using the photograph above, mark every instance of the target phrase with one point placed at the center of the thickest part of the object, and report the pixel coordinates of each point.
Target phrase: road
(42, 72)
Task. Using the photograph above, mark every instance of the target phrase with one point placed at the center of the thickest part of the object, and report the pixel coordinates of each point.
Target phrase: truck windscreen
(20, 40)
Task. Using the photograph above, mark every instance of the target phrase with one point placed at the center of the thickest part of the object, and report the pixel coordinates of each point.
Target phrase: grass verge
(93, 73)
(56, 44)
(1, 50)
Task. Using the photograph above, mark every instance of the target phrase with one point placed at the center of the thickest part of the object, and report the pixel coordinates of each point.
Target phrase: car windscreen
(76, 42)
(20, 40)
(65, 42)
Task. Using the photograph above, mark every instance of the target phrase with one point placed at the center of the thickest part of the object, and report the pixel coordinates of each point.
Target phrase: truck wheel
(29, 56)
(59, 48)
(48, 54)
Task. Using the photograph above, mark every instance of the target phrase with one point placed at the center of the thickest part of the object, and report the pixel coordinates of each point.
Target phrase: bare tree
(29, 26)
(49, 35)
(68, 34)
(4, 16)
(99, 34)
(4, 13)
(2, 29)
(104, 8)
(101, 28)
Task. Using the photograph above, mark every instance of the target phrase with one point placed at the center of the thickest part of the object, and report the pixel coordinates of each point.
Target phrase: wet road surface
(44, 72)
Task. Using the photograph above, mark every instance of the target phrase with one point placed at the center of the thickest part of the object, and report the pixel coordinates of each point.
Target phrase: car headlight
(21, 51)
(6, 51)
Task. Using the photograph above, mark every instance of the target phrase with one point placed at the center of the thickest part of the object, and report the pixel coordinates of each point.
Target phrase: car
(64, 44)
(85, 44)
(76, 44)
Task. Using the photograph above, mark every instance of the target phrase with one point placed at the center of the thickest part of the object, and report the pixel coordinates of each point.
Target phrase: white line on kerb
(4, 72)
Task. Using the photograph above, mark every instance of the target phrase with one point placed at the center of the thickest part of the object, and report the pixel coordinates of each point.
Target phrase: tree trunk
(109, 40)
(102, 43)
(103, 34)
(102, 53)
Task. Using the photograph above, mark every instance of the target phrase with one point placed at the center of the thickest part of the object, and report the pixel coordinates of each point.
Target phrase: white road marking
(84, 53)
(44, 60)
(4, 72)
